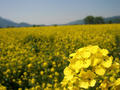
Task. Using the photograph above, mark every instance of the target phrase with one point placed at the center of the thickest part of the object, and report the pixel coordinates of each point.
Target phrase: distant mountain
(23, 24)
(76, 22)
(8, 23)
(114, 19)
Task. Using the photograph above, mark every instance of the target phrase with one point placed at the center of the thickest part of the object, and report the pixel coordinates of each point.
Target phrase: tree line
(94, 20)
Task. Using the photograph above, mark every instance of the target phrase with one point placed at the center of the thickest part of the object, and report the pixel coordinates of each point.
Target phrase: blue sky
(56, 11)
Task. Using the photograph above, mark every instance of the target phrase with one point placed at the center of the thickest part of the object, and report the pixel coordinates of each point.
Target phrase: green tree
(55, 25)
(109, 22)
(98, 20)
(89, 20)
(34, 25)
(7, 26)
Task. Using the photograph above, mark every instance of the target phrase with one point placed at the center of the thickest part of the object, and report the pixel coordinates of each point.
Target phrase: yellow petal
(105, 85)
(68, 77)
(107, 63)
(100, 70)
(98, 55)
(117, 82)
(79, 64)
(92, 83)
(104, 52)
(84, 84)
(82, 74)
(86, 54)
(95, 61)
(115, 65)
(90, 74)
(78, 56)
(72, 62)
(68, 73)
(94, 49)
(71, 55)
(86, 63)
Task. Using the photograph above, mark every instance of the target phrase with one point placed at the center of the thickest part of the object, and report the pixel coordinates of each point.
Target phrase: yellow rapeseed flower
(117, 84)
(105, 85)
(87, 79)
(104, 52)
(68, 73)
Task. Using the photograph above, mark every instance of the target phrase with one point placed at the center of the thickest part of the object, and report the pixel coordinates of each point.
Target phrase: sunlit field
(76, 57)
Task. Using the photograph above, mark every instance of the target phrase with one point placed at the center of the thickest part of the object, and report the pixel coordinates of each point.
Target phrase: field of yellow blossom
(76, 57)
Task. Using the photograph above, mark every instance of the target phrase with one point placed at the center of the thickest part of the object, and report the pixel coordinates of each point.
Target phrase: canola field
(76, 57)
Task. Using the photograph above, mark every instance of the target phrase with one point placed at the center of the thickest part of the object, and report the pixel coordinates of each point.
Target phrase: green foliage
(93, 20)
(55, 25)
(110, 21)
(89, 20)
(34, 25)
(98, 20)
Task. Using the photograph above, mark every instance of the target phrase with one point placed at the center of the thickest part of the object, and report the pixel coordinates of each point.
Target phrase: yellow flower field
(57, 57)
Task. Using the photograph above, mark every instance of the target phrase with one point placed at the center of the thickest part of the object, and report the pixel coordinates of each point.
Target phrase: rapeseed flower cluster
(90, 67)
(34, 58)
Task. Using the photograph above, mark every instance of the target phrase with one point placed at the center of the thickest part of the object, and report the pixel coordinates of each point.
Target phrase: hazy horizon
(56, 11)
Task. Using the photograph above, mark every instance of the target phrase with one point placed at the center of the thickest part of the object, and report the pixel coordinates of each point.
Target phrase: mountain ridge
(114, 19)
(9, 23)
